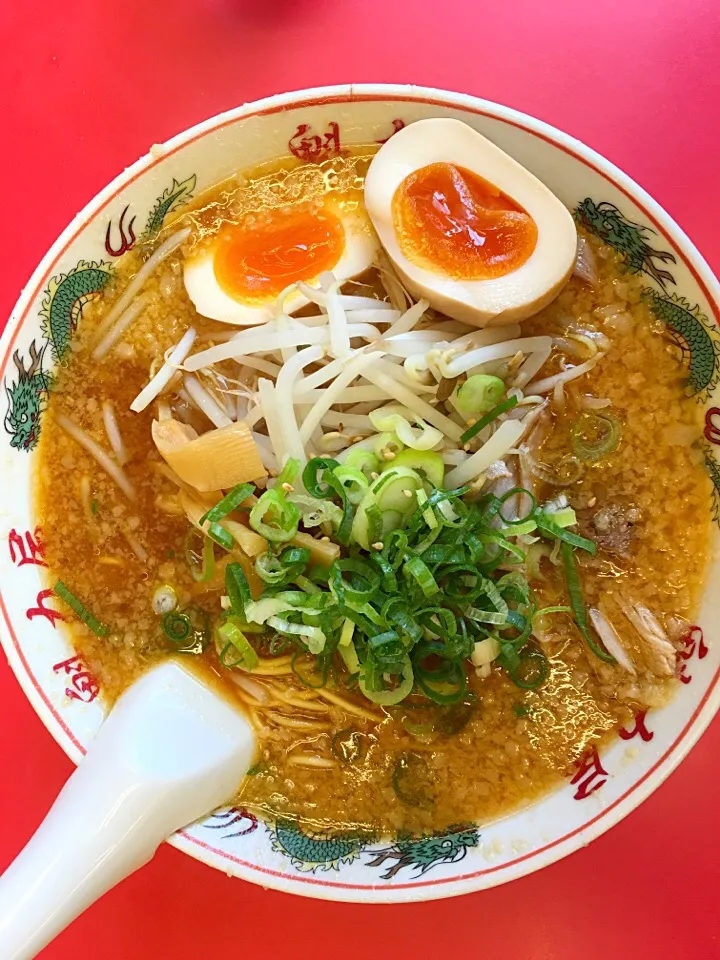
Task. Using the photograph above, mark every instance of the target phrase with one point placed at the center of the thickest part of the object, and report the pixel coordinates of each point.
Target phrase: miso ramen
(434, 560)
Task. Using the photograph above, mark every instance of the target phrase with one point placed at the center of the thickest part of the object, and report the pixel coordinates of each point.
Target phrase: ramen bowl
(606, 783)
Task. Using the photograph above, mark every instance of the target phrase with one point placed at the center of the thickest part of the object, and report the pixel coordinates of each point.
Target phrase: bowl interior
(315, 125)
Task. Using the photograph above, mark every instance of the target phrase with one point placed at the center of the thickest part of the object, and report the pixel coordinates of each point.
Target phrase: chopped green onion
(322, 470)
(547, 526)
(275, 517)
(188, 630)
(531, 670)
(488, 418)
(314, 512)
(176, 627)
(572, 579)
(387, 650)
(396, 612)
(306, 584)
(346, 647)
(164, 599)
(311, 480)
(412, 781)
(389, 489)
(567, 471)
(384, 443)
(361, 585)
(346, 635)
(234, 640)
(387, 696)
(395, 635)
(349, 745)
(455, 717)
(314, 682)
(199, 555)
(398, 419)
(564, 517)
(446, 683)
(345, 528)
(231, 501)
(522, 528)
(374, 517)
(557, 609)
(517, 492)
(479, 394)
(427, 463)
(353, 481)
(312, 636)
(289, 472)
(284, 568)
(221, 536)
(415, 568)
(79, 608)
(363, 460)
(350, 658)
(237, 588)
(428, 515)
(595, 435)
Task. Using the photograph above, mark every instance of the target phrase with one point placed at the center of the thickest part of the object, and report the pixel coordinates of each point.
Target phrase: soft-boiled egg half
(238, 274)
(468, 227)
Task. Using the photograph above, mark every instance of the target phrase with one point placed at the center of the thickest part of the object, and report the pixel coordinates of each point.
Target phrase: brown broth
(418, 768)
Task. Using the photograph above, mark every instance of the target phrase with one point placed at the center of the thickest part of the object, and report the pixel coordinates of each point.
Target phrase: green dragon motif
(627, 237)
(424, 853)
(25, 400)
(713, 468)
(690, 329)
(310, 853)
(65, 298)
(175, 195)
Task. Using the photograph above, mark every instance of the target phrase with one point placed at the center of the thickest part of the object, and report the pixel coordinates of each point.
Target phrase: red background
(85, 88)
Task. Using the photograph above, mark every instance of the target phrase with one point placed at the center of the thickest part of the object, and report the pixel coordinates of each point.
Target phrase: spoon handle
(98, 831)
(170, 751)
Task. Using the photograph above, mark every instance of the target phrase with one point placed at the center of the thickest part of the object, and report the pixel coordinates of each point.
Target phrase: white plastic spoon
(171, 750)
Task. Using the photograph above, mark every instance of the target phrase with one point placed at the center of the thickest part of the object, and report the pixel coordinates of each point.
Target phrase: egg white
(210, 300)
(505, 299)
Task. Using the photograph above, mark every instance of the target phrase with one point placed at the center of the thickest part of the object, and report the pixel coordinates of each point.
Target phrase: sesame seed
(388, 454)
(378, 546)
(288, 488)
(374, 475)
(407, 493)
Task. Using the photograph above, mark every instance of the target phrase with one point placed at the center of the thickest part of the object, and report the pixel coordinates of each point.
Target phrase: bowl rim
(708, 705)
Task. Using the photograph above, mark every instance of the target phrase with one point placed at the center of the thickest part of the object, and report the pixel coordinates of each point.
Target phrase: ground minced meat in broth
(328, 756)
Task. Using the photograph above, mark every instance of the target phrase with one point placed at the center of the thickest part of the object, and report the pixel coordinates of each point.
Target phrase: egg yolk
(257, 262)
(452, 221)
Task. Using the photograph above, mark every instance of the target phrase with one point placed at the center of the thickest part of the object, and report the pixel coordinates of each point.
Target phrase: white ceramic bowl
(314, 124)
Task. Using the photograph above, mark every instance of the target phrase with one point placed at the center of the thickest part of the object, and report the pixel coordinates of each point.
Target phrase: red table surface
(86, 87)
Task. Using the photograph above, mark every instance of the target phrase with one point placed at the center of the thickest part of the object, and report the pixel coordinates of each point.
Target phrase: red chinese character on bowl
(693, 642)
(591, 775)
(26, 548)
(313, 147)
(639, 730)
(84, 686)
